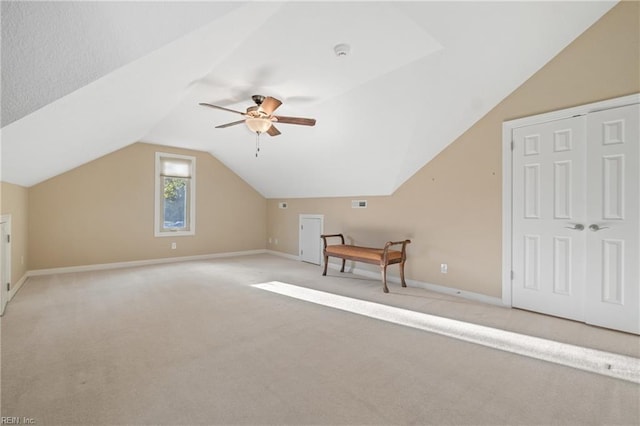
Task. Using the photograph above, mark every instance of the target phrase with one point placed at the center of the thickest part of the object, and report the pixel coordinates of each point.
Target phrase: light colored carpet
(194, 343)
(591, 360)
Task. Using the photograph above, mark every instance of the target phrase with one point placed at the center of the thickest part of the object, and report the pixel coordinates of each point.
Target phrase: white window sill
(174, 233)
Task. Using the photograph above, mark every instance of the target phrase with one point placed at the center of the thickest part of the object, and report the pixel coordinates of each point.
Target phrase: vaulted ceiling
(83, 79)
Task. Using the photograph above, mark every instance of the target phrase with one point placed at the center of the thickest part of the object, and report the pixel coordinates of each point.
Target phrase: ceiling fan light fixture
(258, 125)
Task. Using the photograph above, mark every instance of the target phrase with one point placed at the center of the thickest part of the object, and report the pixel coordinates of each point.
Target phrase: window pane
(176, 167)
(176, 201)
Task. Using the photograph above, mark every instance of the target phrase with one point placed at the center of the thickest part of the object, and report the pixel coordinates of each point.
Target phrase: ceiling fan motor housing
(258, 99)
(256, 112)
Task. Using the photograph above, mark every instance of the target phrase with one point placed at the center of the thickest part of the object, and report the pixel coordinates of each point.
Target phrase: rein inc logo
(17, 421)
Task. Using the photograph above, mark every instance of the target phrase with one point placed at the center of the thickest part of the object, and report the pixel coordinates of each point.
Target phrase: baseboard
(469, 295)
(134, 263)
(17, 286)
(281, 254)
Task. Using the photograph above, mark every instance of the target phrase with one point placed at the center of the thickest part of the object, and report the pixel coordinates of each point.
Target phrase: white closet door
(613, 234)
(549, 176)
(310, 242)
(5, 261)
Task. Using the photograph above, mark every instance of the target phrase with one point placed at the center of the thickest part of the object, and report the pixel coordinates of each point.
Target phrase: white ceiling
(82, 79)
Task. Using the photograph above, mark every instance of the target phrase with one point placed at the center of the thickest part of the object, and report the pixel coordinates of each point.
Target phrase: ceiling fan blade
(270, 104)
(222, 126)
(273, 131)
(222, 108)
(296, 120)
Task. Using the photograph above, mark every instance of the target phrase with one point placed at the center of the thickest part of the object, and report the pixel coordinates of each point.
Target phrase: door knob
(596, 228)
(576, 227)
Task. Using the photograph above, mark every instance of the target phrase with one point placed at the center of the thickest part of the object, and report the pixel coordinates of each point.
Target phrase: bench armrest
(325, 236)
(385, 254)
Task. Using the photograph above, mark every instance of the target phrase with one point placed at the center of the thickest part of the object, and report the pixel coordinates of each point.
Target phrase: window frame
(159, 230)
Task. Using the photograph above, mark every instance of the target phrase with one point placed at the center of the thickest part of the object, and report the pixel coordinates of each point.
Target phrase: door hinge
(8, 238)
(301, 226)
(301, 252)
(8, 286)
(512, 275)
(513, 145)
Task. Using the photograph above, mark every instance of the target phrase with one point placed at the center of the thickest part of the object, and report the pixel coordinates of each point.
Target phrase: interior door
(613, 232)
(548, 217)
(5, 262)
(310, 242)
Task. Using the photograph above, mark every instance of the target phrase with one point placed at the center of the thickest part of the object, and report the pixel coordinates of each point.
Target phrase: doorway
(572, 241)
(310, 247)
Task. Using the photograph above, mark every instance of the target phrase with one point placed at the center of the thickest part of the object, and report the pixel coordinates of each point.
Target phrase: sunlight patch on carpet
(591, 360)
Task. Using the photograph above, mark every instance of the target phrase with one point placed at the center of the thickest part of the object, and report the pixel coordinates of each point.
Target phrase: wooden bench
(383, 257)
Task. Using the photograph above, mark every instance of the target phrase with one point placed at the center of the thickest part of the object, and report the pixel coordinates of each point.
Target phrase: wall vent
(282, 205)
(358, 204)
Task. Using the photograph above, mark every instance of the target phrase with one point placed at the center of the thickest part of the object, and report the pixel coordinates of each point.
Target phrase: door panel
(310, 231)
(613, 289)
(5, 262)
(548, 210)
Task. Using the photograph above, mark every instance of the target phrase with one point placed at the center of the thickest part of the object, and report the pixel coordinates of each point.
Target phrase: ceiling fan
(260, 118)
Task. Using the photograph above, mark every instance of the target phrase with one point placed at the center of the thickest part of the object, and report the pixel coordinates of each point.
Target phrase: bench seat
(376, 256)
(363, 254)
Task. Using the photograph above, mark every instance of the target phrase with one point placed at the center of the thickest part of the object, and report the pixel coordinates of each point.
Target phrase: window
(175, 197)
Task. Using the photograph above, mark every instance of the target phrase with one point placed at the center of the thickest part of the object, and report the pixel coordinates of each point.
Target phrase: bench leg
(343, 262)
(326, 262)
(404, 284)
(384, 279)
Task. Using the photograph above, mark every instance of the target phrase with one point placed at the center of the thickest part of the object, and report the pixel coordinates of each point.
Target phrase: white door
(5, 261)
(613, 234)
(576, 218)
(310, 242)
(548, 218)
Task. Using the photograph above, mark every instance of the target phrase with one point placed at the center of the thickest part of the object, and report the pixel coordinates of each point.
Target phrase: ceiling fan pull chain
(257, 144)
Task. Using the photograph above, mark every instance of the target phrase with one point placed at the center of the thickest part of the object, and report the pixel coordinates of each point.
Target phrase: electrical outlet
(270, 239)
(174, 246)
(275, 241)
(444, 268)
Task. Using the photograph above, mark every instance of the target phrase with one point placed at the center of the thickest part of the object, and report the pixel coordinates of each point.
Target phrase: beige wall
(451, 208)
(103, 212)
(14, 201)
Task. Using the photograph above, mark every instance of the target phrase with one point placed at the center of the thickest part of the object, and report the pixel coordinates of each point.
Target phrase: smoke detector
(341, 49)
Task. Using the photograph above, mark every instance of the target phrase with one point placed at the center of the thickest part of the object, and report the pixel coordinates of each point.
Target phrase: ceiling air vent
(358, 204)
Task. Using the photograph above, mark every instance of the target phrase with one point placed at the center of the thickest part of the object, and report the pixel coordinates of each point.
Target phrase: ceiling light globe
(258, 125)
